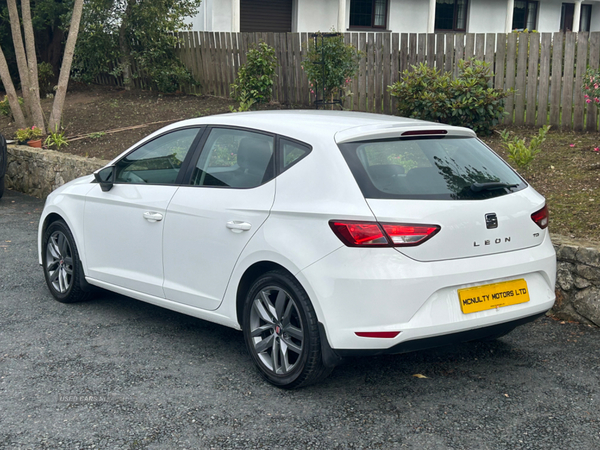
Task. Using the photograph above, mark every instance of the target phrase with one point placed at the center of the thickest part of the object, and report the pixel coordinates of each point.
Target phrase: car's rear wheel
(281, 331)
(62, 267)
(1, 186)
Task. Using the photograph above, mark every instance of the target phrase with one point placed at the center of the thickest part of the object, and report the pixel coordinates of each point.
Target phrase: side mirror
(105, 177)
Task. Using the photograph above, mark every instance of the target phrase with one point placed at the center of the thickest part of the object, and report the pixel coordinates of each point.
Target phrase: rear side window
(292, 152)
(447, 167)
(235, 158)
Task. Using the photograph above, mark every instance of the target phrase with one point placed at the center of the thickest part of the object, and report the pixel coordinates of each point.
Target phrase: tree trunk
(125, 48)
(65, 70)
(15, 27)
(13, 100)
(36, 106)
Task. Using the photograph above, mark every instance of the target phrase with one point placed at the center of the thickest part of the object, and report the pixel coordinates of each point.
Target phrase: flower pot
(35, 143)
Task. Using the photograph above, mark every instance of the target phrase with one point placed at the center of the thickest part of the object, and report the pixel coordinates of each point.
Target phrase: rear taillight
(541, 217)
(409, 234)
(375, 234)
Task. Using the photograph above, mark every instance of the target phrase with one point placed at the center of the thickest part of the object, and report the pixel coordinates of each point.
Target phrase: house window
(566, 17)
(525, 15)
(368, 13)
(586, 18)
(451, 15)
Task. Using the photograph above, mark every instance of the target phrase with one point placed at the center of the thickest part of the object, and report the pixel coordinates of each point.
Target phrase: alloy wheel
(276, 330)
(59, 262)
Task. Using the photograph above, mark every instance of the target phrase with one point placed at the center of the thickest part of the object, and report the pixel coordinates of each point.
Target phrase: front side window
(235, 158)
(525, 15)
(368, 13)
(451, 15)
(453, 168)
(157, 161)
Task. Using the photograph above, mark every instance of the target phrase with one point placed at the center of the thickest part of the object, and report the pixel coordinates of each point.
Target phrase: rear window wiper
(490, 186)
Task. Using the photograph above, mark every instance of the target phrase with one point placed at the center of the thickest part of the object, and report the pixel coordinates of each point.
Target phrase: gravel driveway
(115, 373)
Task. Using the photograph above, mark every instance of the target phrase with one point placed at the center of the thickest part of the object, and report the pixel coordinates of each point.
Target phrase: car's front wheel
(62, 267)
(281, 331)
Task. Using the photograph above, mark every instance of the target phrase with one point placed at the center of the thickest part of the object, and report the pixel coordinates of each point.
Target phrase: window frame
(589, 19)
(280, 157)
(563, 16)
(181, 175)
(278, 168)
(537, 8)
(373, 26)
(454, 20)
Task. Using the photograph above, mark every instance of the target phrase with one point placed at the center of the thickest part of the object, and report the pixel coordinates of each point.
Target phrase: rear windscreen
(446, 167)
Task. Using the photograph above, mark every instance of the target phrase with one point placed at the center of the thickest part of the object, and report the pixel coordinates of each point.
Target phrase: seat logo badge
(491, 221)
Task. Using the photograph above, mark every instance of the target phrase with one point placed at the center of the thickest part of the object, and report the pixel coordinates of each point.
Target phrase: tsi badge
(491, 221)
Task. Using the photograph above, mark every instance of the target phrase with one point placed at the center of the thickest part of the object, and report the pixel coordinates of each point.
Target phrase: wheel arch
(54, 216)
(252, 273)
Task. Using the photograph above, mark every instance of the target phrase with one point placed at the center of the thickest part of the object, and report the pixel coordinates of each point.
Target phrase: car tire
(281, 331)
(62, 266)
(1, 186)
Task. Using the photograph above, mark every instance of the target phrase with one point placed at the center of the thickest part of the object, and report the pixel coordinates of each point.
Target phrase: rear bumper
(375, 290)
(334, 357)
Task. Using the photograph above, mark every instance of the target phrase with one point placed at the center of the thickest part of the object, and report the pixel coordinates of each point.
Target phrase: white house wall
(317, 15)
(410, 16)
(487, 16)
(404, 16)
(549, 15)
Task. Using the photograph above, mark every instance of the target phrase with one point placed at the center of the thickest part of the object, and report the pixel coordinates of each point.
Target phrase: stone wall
(578, 280)
(38, 172)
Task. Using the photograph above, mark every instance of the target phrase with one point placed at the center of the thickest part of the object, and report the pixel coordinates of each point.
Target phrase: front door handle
(153, 216)
(238, 226)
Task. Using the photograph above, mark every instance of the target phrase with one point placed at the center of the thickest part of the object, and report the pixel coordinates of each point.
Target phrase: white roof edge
(379, 131)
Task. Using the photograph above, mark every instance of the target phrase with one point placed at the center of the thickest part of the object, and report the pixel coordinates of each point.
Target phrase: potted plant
(31, 136)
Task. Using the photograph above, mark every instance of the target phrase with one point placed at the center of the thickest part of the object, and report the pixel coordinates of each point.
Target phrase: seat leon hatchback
(319, 234)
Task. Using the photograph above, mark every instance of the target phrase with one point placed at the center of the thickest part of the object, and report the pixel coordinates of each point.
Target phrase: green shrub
(45, 79)
(429, 94)
(5, 106)
(170, 75)
(337, 60)
(519, 153)
(56, 139)
(255, 79)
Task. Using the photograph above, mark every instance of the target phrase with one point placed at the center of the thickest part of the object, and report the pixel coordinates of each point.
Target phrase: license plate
(491, 296)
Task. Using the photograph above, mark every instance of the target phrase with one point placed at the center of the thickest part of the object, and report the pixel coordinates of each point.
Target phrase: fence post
(542, 115)
(567, 97)
(557, 52)
(582, 48)
(521, 77)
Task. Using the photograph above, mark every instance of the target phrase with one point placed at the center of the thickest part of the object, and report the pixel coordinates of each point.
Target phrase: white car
(320, 234)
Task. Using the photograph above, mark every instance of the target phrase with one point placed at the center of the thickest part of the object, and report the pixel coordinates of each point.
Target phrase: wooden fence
(545, 70)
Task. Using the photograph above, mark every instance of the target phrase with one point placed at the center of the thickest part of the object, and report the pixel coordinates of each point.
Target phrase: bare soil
(99, 111)
(568, 176)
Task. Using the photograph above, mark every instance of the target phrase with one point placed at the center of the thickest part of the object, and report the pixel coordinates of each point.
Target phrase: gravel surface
(115, 373)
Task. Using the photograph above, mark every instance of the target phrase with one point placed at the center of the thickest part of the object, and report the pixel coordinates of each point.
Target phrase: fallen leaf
(418, 375)
(506, 395)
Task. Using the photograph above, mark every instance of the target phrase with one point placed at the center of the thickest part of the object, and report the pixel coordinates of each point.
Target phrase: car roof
(308, 125)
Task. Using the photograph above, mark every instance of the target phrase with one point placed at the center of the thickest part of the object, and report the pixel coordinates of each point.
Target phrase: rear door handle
(153, 216)
(238, 226)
